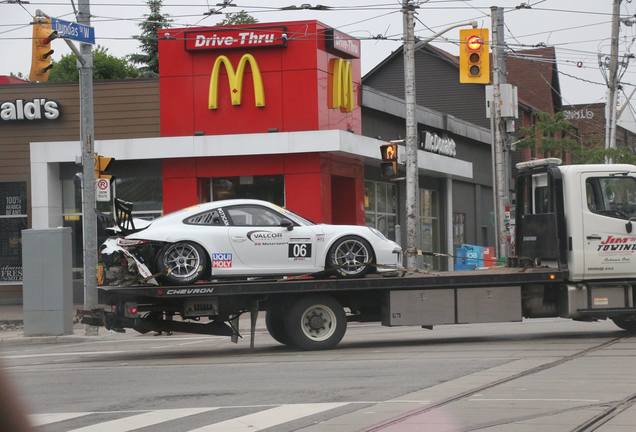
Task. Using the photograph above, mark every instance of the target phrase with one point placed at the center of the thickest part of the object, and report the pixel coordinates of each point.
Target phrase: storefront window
(459, 228)
(380, 205)
(138, 182)
(429, 228)
(13, 219)
(266, 188)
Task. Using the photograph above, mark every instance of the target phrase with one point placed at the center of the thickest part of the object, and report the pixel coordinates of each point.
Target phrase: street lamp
(412, 178)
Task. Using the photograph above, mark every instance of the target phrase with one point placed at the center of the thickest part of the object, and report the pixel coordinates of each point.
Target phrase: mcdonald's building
(274, 111)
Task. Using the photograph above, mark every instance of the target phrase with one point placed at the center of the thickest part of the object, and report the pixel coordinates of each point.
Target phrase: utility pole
(412, 177)
(87, 133)
(612, 83)
(501, 170)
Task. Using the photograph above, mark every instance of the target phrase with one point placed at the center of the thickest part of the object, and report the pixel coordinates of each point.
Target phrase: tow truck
(575, 258)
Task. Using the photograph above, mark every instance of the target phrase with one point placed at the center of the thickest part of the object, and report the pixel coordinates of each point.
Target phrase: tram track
(589, 425)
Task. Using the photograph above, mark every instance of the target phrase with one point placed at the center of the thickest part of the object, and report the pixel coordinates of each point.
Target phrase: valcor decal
(186, 291)
(261, 235)
(221, 260)
(620, 244)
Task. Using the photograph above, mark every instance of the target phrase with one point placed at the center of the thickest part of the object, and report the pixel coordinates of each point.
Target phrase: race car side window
(212, 217)
(251, 215)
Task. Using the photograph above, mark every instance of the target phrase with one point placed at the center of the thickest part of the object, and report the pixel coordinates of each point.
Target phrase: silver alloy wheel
(182, 260)
(318, 322)
(351, 257)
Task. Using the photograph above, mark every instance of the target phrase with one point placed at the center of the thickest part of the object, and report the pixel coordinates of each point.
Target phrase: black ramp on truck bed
(464, 279)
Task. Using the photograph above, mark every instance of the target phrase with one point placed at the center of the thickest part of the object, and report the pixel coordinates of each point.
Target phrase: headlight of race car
(378, 233)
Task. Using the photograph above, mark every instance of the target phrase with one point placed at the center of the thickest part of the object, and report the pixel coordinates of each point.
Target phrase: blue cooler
(468, 257)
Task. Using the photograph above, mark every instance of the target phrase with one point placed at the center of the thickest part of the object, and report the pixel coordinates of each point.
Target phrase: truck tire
(315, 323)
(275, 323)
(626, 324)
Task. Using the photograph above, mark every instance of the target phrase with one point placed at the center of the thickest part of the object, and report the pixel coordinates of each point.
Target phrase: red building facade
(274, 77)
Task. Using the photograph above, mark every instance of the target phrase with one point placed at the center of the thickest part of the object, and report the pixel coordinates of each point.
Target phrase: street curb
(41, 340)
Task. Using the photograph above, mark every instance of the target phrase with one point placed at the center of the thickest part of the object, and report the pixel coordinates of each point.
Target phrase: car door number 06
(299, 250)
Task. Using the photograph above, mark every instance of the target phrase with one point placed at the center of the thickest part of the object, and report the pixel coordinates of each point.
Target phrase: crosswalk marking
(268, 418)
(44, 419)
(142, 420)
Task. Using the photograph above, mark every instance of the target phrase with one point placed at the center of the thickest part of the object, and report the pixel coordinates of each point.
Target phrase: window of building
(429, 227)
(138, 182)
(459, 228)
(380, 205)
(13, 219)
(266, 188)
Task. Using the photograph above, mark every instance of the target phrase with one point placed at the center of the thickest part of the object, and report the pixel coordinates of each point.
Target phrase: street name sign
(74, 31)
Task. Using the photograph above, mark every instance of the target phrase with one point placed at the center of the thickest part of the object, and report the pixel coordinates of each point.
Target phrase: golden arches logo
(341, 85)
(235, 80)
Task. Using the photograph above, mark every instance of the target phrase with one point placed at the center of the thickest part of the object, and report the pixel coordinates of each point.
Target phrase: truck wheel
(626, 324)
(275, 323)
(182, 263)
(350, 256)
(315, 323)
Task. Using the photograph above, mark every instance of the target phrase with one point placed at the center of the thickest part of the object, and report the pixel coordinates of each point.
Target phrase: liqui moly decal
(225, 38)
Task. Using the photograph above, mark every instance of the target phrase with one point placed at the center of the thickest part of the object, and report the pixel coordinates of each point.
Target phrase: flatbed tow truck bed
(493, 277)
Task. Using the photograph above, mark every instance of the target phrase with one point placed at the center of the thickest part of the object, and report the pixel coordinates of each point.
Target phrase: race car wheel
(275, 323)
(315, 323)
(350, 256)
(182, 263)
(626, 324)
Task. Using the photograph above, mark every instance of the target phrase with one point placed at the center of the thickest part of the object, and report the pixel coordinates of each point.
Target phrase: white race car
(245, 237)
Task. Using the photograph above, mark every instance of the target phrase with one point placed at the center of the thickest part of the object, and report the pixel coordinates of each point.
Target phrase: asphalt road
(548, 375)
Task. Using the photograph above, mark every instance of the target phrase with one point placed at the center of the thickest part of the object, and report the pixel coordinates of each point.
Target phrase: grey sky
(524, 27)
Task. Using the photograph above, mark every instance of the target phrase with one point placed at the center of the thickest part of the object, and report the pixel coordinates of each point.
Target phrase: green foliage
(551, 135)
(105, 67)
(241, 17)
(149, 43)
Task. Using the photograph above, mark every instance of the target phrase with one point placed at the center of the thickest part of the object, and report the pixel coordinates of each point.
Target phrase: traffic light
(474, 59)
(101, 165)
(389, 165)
(41, 52)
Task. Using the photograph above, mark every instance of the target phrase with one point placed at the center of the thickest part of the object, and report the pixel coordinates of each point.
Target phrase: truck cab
(580, 218)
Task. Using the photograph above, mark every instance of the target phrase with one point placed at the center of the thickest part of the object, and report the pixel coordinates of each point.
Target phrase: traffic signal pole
(501, 170)
(87, 133)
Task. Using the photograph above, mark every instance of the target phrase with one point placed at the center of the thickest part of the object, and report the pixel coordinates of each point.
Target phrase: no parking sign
(102, 190)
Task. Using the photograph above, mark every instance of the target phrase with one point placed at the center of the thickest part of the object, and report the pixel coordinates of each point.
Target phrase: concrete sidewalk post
(47, 282)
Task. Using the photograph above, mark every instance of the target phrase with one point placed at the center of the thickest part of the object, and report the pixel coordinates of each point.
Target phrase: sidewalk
(11, 334)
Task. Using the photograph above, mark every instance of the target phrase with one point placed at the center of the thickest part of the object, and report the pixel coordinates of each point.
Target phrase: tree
(155, 21)
(105, 67)
(241, 17)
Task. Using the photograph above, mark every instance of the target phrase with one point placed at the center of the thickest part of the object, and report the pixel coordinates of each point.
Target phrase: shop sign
(579, 114)
(36, 109)
(342, 44)
(258, 37)
(235, 80)
(436, 144)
